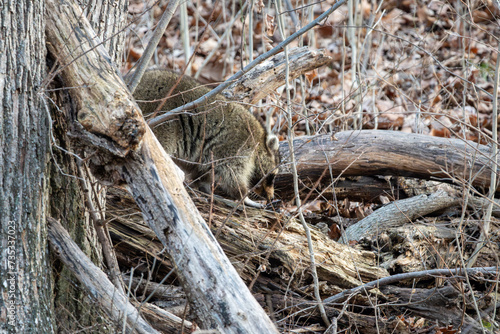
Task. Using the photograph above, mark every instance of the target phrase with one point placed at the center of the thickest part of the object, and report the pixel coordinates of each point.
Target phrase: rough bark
(108, 18)
(25, 289)
(113, 125)
(321, 159)
(73, 309)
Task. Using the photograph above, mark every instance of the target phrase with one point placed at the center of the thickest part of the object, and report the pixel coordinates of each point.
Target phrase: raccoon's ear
(272, 143)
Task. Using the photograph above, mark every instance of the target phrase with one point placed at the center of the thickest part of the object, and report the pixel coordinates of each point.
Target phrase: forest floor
(420, 67)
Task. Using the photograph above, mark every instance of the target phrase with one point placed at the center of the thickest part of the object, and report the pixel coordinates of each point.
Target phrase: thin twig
(181, 74)
(185, 36)
(493, 181)
(314, 272)
(291, 11)
(222, 39)
(102, 233)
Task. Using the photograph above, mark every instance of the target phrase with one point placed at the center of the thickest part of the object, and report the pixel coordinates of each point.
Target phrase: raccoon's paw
(254, 204)
(274, 205)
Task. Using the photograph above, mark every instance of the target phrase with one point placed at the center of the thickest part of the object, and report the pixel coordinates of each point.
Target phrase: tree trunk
(34, 187)
(26, 284)
(73, 309)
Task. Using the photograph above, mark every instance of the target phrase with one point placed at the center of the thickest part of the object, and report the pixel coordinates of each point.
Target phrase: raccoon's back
(224, 132)
(217, 128)
(156, 84)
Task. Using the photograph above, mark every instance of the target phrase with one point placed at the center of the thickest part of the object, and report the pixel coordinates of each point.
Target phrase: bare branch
(258, 60)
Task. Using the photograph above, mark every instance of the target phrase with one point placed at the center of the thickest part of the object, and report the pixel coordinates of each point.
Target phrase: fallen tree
(322, 159)
(109, 125)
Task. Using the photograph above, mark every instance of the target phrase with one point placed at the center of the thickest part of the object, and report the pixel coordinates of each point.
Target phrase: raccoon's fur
(220, 134)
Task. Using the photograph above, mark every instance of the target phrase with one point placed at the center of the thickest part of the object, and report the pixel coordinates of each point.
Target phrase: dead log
(407, 276)
(368, 189)
(265, 78)
(123, 149)
(112, 300)
(254, 240)
(398, 213)
(162, 320)
(321, 159)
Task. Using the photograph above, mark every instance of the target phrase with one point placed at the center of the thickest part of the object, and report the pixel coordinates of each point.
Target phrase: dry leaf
(438, 129)
(270, 26)
(310, 76)
(334, 233)
(259, 4)
(447, 330)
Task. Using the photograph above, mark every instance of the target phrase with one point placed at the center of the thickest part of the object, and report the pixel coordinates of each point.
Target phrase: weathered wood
(111, 299)
(211, 283)
(263, 79)
(217, 294)
(255, 240)
(87, 69)
(398, 213)
(368, 189)
(162, 320)
(372, 152)
(408, 276)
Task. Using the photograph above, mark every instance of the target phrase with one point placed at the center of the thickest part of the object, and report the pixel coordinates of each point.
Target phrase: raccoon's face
(266, 168)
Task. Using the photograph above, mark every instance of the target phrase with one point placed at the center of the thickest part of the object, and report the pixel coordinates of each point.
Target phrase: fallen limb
(263, 80)
(398, 213)
(111, 299)
(399, 277)
(439, 304)
(164, 321)
(254, 240)
(321, 159)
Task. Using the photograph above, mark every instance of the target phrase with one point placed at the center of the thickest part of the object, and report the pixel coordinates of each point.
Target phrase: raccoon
(220, 141)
